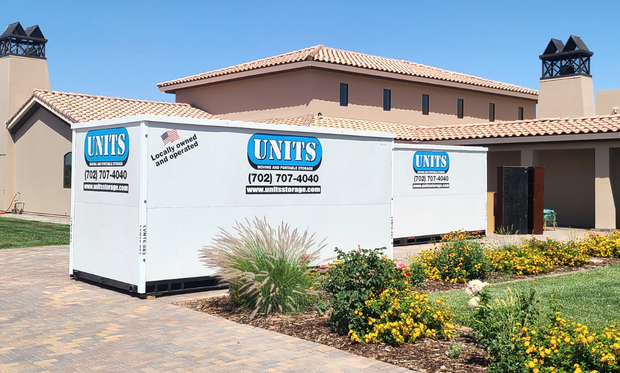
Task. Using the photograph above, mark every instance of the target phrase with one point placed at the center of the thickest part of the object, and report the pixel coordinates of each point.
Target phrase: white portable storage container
(148, 192)
(438, 189)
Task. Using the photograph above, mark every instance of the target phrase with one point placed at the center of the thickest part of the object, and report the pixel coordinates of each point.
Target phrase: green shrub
(352, 278)
(499, 325)
(268, 269)
(416, 274)
(455, 349)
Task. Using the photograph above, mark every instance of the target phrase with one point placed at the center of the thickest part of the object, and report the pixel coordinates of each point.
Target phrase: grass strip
(16, 233)
(591, 297)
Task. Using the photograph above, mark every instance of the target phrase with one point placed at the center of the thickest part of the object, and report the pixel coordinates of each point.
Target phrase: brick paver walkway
(49, 322)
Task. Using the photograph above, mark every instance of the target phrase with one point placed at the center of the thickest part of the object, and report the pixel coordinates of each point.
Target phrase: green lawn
(27, 233)
(591, 298)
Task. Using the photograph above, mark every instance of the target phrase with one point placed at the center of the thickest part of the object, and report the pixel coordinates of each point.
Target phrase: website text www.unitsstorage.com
(106, 187)
(284, 189)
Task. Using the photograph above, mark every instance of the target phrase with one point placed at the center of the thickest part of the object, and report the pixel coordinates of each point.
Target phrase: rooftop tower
(23, 67)
(566, 88)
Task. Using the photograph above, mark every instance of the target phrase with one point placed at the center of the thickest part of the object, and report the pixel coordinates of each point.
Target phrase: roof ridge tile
(321, 53)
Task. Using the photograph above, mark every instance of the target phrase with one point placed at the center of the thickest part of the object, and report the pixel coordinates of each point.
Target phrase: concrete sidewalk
(46, 218)
(49, 322)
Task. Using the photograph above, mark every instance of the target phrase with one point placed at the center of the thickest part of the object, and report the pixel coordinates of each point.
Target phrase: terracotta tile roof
(402, 131)
(340, 57)
(534, 127)
(521, 128)
(77, 108)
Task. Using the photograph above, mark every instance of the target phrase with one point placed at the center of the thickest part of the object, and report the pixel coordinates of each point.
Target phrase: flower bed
(461, 257)
(370, 300)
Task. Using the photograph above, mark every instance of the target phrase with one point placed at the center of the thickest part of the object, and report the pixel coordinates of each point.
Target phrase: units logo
(107, 147)
(431, 162)
(278, 152)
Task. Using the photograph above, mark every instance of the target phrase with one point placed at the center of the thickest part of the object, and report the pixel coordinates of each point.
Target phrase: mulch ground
(426, 355)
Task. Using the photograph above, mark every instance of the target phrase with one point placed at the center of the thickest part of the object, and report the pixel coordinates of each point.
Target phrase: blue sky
(124, 48)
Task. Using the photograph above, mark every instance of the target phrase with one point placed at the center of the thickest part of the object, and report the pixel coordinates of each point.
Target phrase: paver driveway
(49, 322)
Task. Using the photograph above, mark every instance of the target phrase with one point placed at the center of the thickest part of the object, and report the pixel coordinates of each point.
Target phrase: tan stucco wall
(366, 101)
(561, 97)
(313, 90)
(569, 185)
(281, 95)
(40, 146)
(615, 180)
(607, 100)
(18, 77)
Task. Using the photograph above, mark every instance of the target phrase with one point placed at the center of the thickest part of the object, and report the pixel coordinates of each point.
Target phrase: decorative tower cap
(17, 41)
(572, 58)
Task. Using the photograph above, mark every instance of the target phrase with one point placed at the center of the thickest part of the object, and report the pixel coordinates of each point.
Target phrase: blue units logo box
(107, 147)
(428, 162)
(281, 152)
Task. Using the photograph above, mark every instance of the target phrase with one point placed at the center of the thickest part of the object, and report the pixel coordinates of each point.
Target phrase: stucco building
(343, 84)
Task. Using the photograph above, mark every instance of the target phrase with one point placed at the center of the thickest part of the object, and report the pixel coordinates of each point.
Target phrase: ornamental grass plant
(498, 323)
(269, 269)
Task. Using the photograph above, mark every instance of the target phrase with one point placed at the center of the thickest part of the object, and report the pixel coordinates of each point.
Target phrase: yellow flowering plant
(566, 346)
(459, 258)
(396, 316)
(601, 245)
(535, 256)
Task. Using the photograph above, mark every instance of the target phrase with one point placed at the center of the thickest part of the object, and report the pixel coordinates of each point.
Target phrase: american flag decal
(170, 136)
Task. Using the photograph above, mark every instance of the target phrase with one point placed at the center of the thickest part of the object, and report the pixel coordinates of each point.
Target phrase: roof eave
(502, 140)
(22, 115)
(27, 110)
(173, 88)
